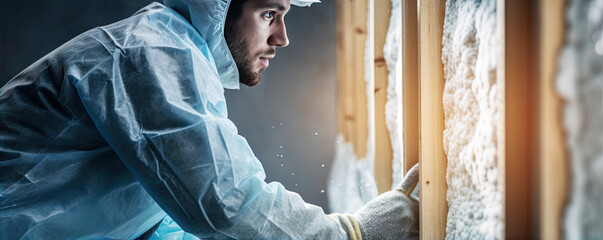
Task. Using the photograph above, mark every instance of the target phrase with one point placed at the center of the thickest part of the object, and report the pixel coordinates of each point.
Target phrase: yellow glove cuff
(349, 224)
(409, 190)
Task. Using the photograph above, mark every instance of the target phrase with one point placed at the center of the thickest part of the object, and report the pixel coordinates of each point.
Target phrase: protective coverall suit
(126, 123)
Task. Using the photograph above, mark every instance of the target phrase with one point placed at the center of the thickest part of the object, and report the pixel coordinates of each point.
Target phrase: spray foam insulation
(474, 196)
(579, 82)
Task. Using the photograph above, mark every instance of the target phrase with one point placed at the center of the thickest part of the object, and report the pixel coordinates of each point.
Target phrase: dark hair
(232, 16)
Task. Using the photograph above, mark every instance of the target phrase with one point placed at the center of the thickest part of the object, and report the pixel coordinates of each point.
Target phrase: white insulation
(393, 107)
(351, 181)
(469, 55)
(580, 83)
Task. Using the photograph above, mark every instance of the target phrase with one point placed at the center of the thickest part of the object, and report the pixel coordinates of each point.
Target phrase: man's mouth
(265, 60)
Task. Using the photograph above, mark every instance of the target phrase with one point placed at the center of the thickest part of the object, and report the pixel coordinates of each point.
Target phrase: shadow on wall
(30, 30)
(289, 119)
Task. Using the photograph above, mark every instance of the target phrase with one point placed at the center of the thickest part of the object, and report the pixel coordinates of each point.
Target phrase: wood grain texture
(433, 205)
(383, 144)
(353, 113)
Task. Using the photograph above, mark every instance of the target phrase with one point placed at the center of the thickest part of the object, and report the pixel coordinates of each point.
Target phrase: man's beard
(240, 52)
(239, 48)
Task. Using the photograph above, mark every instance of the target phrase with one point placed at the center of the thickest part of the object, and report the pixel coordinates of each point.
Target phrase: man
(127, 123)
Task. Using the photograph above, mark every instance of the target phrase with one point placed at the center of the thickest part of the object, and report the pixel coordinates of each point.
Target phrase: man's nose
(278, 37)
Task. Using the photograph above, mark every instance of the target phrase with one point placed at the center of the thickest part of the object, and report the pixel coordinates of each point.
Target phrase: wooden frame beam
(517, 78)
(383, 144)
(530, 35)
(410, 87)
(433, 205)
(353, 116)
(554, 165)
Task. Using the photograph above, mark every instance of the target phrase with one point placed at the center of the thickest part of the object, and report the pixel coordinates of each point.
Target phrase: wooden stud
(353, 114)
(383, 145)
(433, 205)
(553, 167)
(517, 80)
(410, 87)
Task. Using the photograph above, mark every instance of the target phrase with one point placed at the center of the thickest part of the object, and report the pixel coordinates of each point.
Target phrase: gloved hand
(392, 215)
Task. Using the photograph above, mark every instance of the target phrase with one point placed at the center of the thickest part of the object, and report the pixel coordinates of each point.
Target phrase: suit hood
(208, 17)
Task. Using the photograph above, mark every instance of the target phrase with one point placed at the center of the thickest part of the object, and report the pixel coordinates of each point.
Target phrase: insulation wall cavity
(351, 181)
(474, 197)
(580, 83)
(393, 107)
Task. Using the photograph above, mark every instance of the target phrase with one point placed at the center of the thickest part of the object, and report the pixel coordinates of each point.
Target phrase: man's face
(254, 29)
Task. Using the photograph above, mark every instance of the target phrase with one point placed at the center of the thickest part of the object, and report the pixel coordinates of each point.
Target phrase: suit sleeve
(163, 112)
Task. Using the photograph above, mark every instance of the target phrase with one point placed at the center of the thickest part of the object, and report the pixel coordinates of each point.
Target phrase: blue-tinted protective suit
(127, 122)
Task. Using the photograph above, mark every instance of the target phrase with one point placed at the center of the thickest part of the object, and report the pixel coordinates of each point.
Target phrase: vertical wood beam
(383, 144)
(553, 167)
(433, 205)
(410, 87)
(519, 76)
(353, 114)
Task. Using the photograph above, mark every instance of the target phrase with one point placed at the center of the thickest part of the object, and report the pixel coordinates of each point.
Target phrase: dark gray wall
(299, 91)
(294, 101)
(32, 28)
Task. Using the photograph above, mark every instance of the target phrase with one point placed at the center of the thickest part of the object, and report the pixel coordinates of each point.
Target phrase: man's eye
(268, 15)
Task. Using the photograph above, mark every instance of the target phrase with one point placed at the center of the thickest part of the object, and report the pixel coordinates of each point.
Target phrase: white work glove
(391, 215)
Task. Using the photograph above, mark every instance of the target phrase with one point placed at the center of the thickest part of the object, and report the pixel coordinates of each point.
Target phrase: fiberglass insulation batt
(469, 56)
(580, 84)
